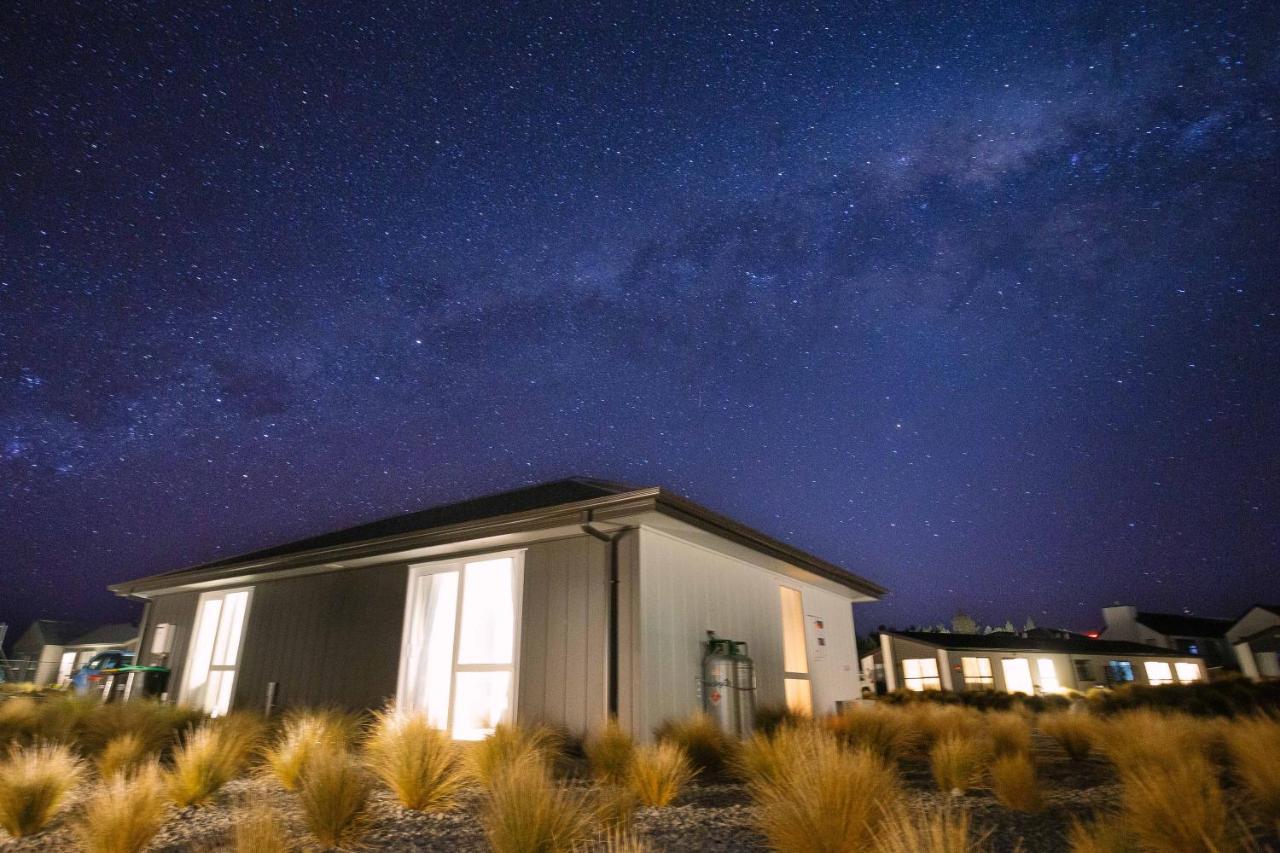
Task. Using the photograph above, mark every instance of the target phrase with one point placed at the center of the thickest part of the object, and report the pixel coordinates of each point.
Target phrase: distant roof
(56, 632)
(573, 495)
(1004, 641)
(1178, 625)
(117, 634)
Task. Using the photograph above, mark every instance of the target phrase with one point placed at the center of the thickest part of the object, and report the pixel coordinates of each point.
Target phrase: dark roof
(560, 502)
(1178, 625)
(118, 634)
(1004, 641)
(48, 632)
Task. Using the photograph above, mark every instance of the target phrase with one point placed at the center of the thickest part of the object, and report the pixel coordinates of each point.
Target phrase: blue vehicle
(89, 678)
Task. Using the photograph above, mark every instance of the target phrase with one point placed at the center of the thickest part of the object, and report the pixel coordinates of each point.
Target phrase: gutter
(612, 538)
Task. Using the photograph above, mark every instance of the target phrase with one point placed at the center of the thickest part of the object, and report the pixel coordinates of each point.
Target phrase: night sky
(979, 300)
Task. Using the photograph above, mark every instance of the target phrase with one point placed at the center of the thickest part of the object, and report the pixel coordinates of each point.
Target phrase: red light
(1092, 635)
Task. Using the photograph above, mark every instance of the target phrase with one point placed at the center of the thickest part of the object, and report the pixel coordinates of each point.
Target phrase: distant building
(1255, 638)
(1046, 663)
(51, 650)
(1196, 635)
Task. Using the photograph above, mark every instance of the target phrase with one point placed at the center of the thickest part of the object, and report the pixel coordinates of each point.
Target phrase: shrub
(1075, 732)
(825, 798)
(1254, 745)
(34, 783)
(941, 831)
(659, 773)
(122, 754)
(211, 756)
(334, 796)
(609, 754)
(1014, 782)
(956, 762)
(418, 762)
(301, 735)
(886, 731)
(510, 743)
(525, 811)
(154, 725)
(1175, 808)
(258, 829)
(708, 749)
(1010, 733)
(124, 812)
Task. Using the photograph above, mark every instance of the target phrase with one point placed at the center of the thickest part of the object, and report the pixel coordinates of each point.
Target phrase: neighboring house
(1255, 637)
(566, 602)
(1012, 663)
(1196, 635)
(50, 651)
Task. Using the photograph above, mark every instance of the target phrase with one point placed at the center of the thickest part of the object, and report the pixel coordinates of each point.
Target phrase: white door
(462, 627)
(1017, 676)
(215, 650)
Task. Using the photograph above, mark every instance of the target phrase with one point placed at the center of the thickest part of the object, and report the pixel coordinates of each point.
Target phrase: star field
(979, 300)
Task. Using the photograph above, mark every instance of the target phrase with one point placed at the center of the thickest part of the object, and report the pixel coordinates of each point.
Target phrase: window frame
(188, 693)
(417, 572)
(980, 680)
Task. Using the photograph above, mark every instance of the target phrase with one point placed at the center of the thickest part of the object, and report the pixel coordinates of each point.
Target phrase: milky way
(978, 300)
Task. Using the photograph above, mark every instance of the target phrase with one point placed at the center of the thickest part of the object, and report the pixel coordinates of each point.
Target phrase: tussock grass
(762, 759)
(824, 798)
(301, 735)
(1010, 733)
(707, 748)
(334, 796)
(210, 757)
(1254, 747)
(945, 830)
(957, 760)
(614, 807)
(419, 763)
(933, 723)
(1075, 732)
(525, 812)
(155, 725)
(34, 784)
(123, 754)
(511, 743)
(1136, 739)
(659, 773)
(1103, 835)
(258, 828)
(618, 841)
(886, 731)
(1175, 808)
(1015, 784)
(609, 754)
(19, 719)
(123, 812)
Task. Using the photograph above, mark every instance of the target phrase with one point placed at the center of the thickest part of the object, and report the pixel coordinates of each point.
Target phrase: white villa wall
(686, 589)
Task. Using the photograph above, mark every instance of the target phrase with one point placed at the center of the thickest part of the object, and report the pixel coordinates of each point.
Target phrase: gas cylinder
(719, 696)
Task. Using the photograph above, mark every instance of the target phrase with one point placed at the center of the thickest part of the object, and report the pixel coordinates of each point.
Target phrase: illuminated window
(458, 661)
(977, 673)
(1187, 672)
(1017, 675)
(215, 651)
(1048, 676)
(795, 656)
(921, 674)
(66, 667)
(1158, 672)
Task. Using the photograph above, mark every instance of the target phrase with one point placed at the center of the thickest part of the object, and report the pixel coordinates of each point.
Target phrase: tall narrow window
(977, 673)
(795, 657)
(458, 661)
(1048, 676)
(215, 650)
(1017, 675)
(921, 674)
(1158, 672)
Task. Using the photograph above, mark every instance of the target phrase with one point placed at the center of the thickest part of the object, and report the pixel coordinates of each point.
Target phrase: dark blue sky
(979, 300)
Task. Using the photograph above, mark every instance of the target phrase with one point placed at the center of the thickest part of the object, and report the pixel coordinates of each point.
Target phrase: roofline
(572, 513)
(1154, 651)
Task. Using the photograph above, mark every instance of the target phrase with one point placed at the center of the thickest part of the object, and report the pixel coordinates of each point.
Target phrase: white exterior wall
(47, 667)
(687, 589)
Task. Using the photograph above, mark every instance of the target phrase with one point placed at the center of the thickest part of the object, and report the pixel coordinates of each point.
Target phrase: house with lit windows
(1255, 639)
(567, 603)
(1035, 663)
(1203, 636)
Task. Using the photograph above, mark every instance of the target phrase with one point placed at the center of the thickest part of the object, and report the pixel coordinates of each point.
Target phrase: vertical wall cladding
(564, 634)
(179, 610)
(329, 639)
(687, 589)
